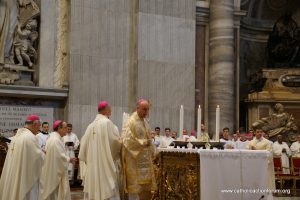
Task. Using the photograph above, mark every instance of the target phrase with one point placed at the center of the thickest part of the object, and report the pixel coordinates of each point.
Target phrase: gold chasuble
(137, 156)
(22, 168)
(54, 177)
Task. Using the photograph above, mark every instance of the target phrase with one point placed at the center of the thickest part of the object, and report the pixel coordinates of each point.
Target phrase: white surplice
(295, 149)
(72, 137)
(241, 144)
(165, 141)
(277, 151)
(42, 138)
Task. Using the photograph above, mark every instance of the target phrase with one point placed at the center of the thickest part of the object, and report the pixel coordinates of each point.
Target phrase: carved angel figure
(23, 43)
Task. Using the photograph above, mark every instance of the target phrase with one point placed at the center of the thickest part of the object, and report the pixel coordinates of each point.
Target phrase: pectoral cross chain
(13, 147)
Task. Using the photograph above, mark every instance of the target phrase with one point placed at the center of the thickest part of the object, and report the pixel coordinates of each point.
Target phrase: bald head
(142, 108)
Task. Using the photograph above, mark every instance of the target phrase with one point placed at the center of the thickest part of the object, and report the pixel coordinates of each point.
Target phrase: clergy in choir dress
(166, 139)
(54, 178)
(203, 137)
(100, 151)
(228, 143)
(71, 142)
(137, 154)
(259, 142)
(22, 168)
(193, 136)
(295, 147)
(243, 142)
(43, 135)
(281, 149)
(185, 136)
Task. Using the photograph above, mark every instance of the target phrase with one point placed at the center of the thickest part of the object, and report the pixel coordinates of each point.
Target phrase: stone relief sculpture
(23, 44)
(8, 20)
(279, 122)
(8, 76)
(19, 25)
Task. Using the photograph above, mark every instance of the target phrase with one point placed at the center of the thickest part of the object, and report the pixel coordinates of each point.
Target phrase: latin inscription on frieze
(12, 117)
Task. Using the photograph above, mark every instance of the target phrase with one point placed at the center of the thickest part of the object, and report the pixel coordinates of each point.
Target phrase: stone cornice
(33, 92)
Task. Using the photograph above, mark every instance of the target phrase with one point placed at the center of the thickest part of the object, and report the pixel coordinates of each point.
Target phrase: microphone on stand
(263, 196)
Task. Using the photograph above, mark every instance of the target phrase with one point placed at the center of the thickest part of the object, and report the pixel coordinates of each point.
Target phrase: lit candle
(199, 122)
(217, 123)
(181, 121)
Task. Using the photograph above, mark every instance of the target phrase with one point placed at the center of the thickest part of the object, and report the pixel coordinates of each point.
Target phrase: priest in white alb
(259, 142)
(22, 168)
(281, 149)
(100, 150)
(295, 147)
(54, 177)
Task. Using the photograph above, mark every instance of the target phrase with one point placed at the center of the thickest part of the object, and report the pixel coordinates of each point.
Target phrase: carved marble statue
(278, 122)
(8, 76)
(23, 43)
(19, 31)
(9, 11)
(19, 25)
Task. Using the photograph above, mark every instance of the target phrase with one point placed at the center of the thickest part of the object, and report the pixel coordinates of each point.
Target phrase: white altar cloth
(181, 150)
(236, 175)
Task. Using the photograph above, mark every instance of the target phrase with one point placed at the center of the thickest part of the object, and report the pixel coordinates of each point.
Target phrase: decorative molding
(33, 92)
(202, 15)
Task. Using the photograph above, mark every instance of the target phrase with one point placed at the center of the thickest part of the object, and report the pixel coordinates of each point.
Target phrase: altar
(214, 174)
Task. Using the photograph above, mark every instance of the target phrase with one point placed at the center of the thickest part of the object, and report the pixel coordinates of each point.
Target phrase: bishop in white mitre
(22, 168)
(54, 178)
(281, 149)
(295, 147)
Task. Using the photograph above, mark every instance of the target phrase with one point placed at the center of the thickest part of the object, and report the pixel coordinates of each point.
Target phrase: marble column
(221, 81)
(62, 48)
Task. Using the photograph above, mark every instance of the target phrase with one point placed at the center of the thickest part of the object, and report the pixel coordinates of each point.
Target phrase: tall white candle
(199, 122)
(181, 120)
(217, 122)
